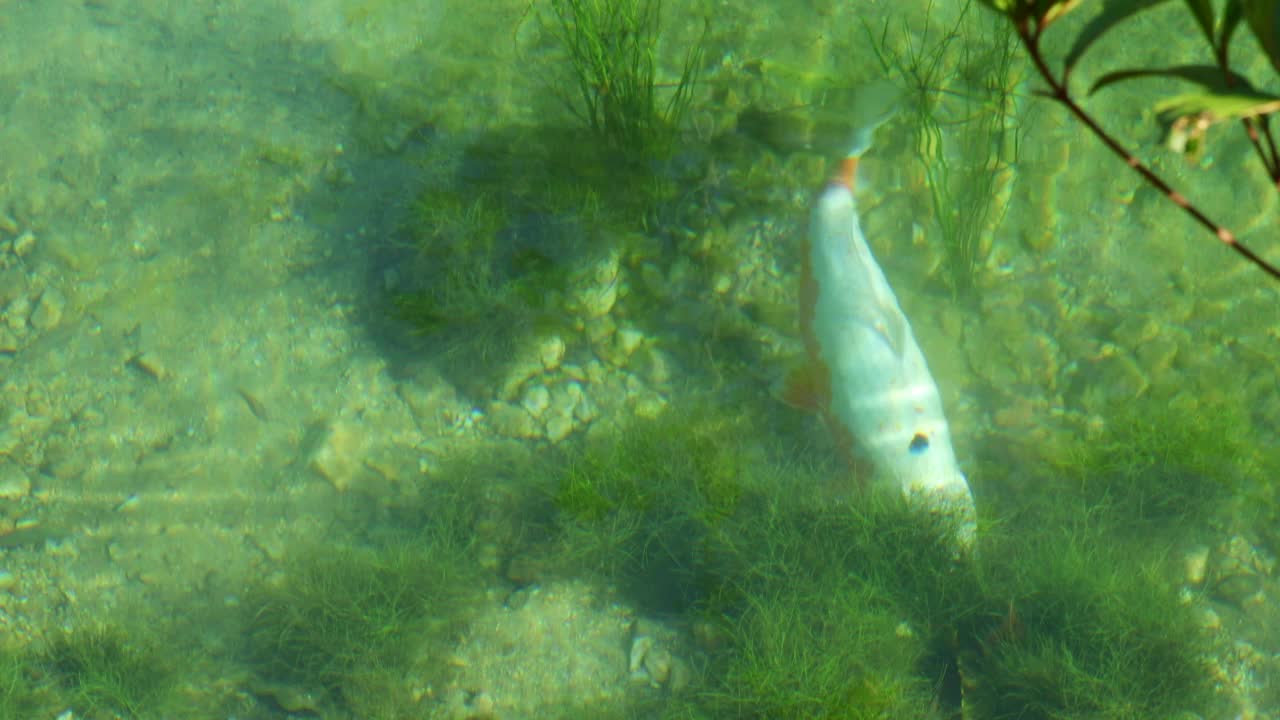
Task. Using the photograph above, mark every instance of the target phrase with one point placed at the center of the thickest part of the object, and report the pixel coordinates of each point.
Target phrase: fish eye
(919, 443)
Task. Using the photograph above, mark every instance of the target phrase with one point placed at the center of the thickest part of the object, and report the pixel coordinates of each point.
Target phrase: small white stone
(536, 400)
(601, 291)
(559, 427)
(565, 398)
(1196, 563)
(585, 411)
(628, 340)
(551, 351)
(650, 405)
(640, 647)
(721, 284)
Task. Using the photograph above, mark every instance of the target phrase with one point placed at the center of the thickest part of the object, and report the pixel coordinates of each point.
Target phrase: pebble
(1196, 564)
(600, 293)
(649, 405)
(559, 427)
(585, 411)
(24, 244)
(14, 483)
(8, 581)
(536, 400)
(628, 340)
(1123, 377)
(339, 457)
(565, 398)
(16, 314)
(48, 313)
(551, 351)
(512, 421)
(517, 374)
(656, 367)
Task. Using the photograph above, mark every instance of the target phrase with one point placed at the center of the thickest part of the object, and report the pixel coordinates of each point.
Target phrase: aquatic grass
(1092, 626)
(348, 621)
(488, 259)
(862, 607)
(961, 80)
(822, 651)
(641, 506)
(1158, 470)
(104, 670)
(20, 693)
(612, 53)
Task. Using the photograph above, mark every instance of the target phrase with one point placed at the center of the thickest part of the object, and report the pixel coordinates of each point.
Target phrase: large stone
(49, 311)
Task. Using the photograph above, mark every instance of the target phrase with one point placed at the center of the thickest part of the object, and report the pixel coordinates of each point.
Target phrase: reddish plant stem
(1059, 92)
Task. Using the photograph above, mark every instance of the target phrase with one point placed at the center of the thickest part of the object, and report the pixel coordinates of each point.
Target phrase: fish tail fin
(878, 103)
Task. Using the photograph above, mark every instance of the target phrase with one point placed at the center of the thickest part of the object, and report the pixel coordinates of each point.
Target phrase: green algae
(107, 670)
(1157, 469)
(346, 622)
(611, 46)
(865, 608)
(960, 82)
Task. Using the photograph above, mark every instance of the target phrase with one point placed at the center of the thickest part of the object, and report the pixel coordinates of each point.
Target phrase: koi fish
(866, 374)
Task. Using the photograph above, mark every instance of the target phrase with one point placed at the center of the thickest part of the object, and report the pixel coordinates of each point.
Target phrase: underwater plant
(20, 695)
(827, 650)
(346, 623)
(612, 51)
(105, 671)
(640, 507)
(1092, 626)
(1222, 93)
(1156, 472)
(963, 80)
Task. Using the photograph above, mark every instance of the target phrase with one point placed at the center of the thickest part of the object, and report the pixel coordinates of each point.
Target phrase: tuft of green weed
(612, 51)
(350, 621)
(830, 649)
(20, 694)
(102, 670)
(962, 79)
(1091, 627)
(1154, 469)
(640, 506)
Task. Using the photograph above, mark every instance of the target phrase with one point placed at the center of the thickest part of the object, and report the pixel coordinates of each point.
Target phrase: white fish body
(880, 393)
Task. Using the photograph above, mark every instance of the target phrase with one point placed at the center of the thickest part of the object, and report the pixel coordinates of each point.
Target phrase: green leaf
(1230, 20)
(1218, 107)
(1113, 13)
(1263, 17)
(1203, 12)
(1214, 79)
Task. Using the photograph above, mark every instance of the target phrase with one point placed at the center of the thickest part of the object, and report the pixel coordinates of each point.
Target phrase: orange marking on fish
(847, 173)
